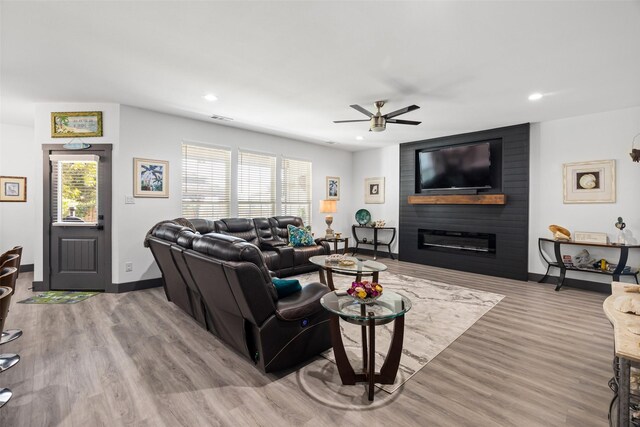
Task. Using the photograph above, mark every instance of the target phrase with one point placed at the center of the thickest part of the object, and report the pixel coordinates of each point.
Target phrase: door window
(74, 189)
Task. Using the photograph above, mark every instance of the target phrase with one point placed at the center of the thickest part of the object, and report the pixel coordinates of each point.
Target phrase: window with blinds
(206, 182)
(74, 188)
(256, 185)
(296, 189)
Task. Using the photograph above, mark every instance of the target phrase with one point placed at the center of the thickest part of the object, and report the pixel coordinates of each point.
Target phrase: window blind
(74, 187)
(206, 182)
(296, 189)
(256, 185)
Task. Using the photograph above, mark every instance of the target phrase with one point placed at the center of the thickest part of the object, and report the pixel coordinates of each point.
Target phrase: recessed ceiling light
(535, 96)
(210, 97)
(359, 138)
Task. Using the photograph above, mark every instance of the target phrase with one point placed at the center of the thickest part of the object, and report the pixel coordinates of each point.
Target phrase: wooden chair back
(5, 299)
(8, 276)
(10, 260)
(17, 250)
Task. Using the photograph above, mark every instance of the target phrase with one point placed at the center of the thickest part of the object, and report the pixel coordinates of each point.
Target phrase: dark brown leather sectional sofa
(271, 236)
(223, 281)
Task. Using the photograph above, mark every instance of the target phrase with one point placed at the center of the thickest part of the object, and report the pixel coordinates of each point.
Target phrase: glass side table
(360, 268)
(390, 307)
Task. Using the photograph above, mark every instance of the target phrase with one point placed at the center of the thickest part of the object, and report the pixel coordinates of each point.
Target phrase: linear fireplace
(479, 238)
(457, 241)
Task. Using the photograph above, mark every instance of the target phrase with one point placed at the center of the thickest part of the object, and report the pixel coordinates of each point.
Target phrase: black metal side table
(375, 242)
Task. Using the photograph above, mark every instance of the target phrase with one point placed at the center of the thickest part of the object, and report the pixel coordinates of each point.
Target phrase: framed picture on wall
(590, 182)
(333, 188)
(374, 190)
(79, 124)
(150, 178)
(13, 189)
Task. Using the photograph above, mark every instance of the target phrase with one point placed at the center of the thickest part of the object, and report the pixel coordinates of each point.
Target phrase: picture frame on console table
(13, 189)
(590, 182)
(150, 178)
(374, 190)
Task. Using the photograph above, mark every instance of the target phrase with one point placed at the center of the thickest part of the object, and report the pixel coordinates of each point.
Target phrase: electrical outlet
(129, 200)
(128, 267)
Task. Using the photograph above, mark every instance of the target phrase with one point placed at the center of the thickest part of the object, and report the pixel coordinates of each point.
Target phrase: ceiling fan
(378, 121)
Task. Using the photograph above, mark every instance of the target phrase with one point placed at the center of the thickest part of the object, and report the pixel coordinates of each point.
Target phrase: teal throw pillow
(300, 236)
(286, 287)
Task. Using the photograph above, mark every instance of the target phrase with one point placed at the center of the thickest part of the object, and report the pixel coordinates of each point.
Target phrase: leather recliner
(272, 237)
(234, 283)
(163, 238)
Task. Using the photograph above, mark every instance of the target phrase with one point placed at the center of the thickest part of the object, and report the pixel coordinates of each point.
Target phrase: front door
(78, 214)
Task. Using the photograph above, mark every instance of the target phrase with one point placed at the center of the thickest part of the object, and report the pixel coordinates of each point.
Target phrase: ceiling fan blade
(349, 121)
(362, 110)
(401, 111)
(403, 122)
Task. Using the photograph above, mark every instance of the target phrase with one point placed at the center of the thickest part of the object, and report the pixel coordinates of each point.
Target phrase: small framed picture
(590, 182)
(150, 178)
(374, 190)
(80, 124)
(333, 188)
(13, 189)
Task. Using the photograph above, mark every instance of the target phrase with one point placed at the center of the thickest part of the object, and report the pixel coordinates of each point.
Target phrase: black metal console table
(557, 244)
(375, 242)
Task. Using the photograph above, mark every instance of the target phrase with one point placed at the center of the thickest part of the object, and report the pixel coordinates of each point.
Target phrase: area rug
(58, 297)
(440, 313)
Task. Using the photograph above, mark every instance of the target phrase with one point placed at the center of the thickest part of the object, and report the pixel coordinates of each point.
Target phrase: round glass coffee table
(360, 268)
(390, 307)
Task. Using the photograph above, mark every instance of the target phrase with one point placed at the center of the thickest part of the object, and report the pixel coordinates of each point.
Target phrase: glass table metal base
(391, 307)
(359, 269)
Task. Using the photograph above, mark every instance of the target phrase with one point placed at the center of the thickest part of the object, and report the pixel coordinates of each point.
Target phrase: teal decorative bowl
(363, 217)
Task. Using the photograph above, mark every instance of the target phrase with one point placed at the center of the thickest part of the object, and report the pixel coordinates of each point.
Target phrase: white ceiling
(291, 68)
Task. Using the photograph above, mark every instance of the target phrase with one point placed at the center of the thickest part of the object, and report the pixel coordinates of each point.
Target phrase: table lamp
(328, 206)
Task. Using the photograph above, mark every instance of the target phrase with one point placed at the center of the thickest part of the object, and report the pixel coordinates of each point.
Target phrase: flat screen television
(451, 168)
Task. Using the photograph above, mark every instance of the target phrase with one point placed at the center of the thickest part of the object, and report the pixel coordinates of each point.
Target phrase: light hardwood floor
(539, 358)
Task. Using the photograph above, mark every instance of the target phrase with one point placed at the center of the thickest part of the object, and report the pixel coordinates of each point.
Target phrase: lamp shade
(327, 206)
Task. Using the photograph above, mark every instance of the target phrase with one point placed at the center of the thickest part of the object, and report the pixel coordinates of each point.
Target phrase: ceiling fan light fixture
(378, 123)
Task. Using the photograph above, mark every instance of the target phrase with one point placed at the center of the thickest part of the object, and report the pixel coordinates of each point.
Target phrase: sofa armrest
(302, 304)
(322, 242)
(271, 244)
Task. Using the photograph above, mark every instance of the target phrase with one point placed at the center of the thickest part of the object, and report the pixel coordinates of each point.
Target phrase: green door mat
(58, 297)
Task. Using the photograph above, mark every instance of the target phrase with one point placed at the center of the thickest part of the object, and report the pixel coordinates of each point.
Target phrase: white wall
(141, 133)
(380, 162)
(601, 136)
(159, 136)
(42, 130)
(20, 156)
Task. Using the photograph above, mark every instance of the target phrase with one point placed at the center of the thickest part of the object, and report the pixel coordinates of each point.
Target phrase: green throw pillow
(286, 287)
(300, 236)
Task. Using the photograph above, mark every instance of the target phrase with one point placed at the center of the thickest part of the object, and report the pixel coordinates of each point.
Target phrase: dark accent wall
(510, 222)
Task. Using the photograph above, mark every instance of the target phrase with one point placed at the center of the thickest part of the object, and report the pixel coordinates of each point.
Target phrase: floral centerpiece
(365, 291)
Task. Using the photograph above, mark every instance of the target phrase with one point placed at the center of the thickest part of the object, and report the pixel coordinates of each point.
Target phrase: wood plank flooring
(539, 358)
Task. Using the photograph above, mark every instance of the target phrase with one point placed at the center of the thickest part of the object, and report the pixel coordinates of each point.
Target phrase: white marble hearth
(440, 313)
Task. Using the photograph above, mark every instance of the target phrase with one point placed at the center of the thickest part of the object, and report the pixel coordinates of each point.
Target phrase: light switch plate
(129, 200)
